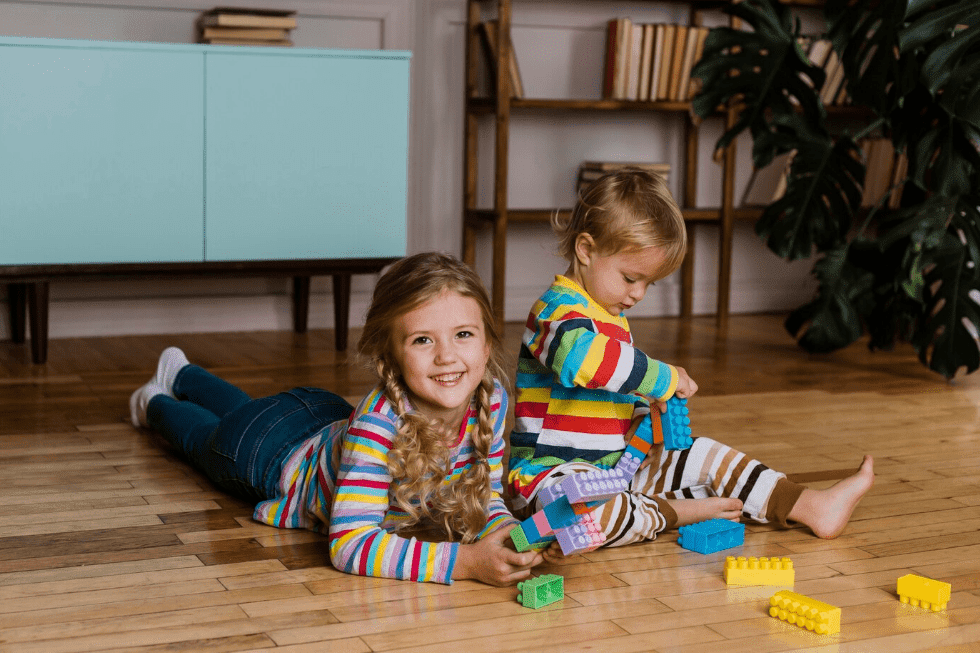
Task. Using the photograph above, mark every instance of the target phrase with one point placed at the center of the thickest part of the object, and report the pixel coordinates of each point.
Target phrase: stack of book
(589, 171)
(233, 26)
(489, 38)
(651, 62)
(820, 53)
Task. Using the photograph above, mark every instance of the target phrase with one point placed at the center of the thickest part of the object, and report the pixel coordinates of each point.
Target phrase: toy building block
(673, 426)
(711, 535)
(924, 592)
(821, 618)
(759, 571)
(581, 537)
(598, 485)
(537, 529)
(541, 591)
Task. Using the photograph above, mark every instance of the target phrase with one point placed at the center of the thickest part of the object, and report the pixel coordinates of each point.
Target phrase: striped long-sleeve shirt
(579, 381)
(337, 483)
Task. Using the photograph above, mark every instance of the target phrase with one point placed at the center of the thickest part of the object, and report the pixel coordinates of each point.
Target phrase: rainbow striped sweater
(579, 382)
(337, 483)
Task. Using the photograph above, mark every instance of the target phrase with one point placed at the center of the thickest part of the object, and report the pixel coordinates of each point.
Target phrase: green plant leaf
(833, 319)
(944, 340)
(763, 72)
(866, 36)
(823, 191)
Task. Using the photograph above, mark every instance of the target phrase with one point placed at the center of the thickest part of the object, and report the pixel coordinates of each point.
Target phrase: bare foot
(827, 511)
(691, 511)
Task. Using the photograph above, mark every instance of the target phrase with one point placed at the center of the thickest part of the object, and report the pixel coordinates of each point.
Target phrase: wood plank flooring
(108, 542)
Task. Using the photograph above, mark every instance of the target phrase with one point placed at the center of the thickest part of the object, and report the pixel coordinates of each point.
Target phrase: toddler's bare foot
(691, 511)
(827, 511)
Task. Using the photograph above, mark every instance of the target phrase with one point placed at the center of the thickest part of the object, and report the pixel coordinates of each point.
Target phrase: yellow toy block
(924, 592)
(759, 571)
(821, 618)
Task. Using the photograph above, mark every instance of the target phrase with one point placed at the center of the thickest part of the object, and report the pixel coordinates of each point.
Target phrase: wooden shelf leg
(37, 303)
(301, 304)
(341, 308)
(17, 299)
(687, 275)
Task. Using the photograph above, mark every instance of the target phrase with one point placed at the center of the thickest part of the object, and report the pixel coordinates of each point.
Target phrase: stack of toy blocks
(759, 571)
(924, 592)
(541, 591)
(711, 535)
(821, 618)
(564, 516)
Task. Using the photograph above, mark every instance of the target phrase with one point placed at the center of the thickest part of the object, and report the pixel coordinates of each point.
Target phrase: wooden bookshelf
(502, 104)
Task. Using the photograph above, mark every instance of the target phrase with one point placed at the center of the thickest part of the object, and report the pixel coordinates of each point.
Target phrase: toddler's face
(617, 282)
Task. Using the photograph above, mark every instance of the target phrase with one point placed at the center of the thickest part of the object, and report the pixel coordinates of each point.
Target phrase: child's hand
(686, 387)
(492, 562)
(553, 553)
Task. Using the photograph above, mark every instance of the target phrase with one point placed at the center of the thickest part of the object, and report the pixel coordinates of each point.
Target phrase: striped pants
(707, 469)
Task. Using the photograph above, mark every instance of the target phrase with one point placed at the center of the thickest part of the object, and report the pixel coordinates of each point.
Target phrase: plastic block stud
(541, 591)
(711, 535)
(821, 618)
(674, 424)
(581, 537)
(598, 485)
(924, 592)
(759, 571)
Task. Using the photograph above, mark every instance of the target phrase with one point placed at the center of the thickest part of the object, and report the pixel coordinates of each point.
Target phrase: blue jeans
(238, 442)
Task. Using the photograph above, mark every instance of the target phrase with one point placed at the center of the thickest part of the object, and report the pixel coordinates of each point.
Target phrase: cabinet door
(306, 156)
(100, 154)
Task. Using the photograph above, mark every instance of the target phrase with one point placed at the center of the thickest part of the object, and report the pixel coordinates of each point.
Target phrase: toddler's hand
(686, 387)
(553, 553)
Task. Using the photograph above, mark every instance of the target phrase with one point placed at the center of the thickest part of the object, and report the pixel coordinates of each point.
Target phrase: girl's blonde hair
(419, 459)
(629, 209)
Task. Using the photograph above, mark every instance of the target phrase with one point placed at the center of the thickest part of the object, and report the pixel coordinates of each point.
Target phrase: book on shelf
(589, 171)
(883, 169)
(489, 33)
(233, 26)
(651, 61)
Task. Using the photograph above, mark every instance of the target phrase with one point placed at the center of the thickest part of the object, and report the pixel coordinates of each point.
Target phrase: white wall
(559, 46)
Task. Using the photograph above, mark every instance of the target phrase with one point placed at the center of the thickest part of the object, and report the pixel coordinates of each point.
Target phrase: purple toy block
(598, 485)
(581, 537)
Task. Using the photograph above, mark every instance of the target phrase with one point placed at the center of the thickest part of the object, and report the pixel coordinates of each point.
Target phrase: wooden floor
(110, 543)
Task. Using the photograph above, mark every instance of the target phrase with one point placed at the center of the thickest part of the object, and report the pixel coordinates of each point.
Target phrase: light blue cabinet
(100, 155)
(126, 158)
(305, 157)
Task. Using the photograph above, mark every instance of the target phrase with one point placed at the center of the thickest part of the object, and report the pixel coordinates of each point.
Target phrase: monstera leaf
(946, 340)
(833, 319)
(822, 192)
(764, 73)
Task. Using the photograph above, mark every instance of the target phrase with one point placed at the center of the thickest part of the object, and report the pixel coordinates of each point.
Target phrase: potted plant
(911, 273)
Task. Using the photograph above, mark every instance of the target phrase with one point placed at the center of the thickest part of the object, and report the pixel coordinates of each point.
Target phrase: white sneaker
(140, 399)
(172, 360)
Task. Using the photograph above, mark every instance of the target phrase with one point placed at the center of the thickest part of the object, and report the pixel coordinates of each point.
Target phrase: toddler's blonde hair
(419, 459)
(624, 210)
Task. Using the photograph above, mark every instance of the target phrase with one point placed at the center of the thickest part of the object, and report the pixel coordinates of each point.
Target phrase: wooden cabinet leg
(17, 299)
(301, 304)
(341, 308)
(37, 303)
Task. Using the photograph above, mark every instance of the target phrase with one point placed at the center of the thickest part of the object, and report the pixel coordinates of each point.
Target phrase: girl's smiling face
(441, 350)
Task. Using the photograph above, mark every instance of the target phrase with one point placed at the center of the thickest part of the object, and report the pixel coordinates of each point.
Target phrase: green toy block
(541, 591)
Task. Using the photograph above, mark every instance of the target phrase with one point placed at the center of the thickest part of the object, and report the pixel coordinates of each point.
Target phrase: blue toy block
(711, 535)
(675, 425)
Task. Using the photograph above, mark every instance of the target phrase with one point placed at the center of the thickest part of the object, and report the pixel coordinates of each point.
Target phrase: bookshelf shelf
(502, 104)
